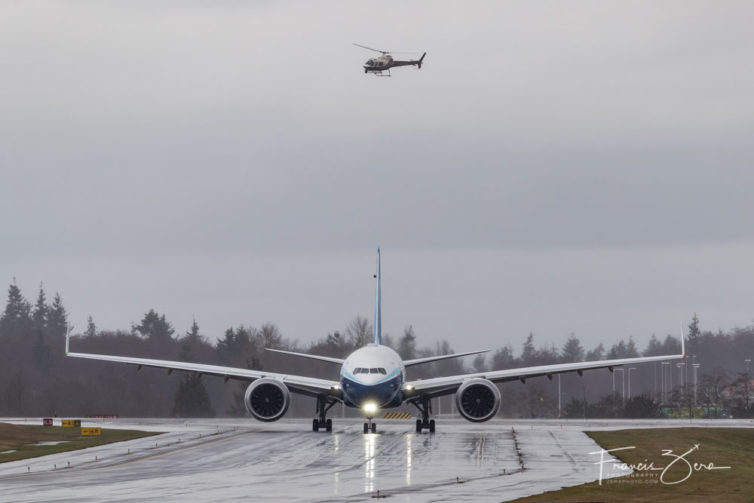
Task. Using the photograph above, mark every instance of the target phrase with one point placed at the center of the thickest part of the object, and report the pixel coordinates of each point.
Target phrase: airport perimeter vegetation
(19, 441)
(733, 447)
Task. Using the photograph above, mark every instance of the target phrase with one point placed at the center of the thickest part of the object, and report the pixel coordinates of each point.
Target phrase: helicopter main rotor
(371, 49)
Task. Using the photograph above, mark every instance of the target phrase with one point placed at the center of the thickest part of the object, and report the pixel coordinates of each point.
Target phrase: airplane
(373, 378)
(386, 62)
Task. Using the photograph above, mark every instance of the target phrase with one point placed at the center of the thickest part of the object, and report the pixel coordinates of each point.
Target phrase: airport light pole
(629, 381)
(623, 386)
(558, 396)
(695, 366)
(748, 363)
(664, 383)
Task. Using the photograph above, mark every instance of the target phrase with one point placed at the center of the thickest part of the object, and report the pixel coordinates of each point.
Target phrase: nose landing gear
(370, 426)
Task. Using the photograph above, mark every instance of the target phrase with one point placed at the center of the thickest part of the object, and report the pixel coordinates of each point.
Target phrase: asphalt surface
(234, 460)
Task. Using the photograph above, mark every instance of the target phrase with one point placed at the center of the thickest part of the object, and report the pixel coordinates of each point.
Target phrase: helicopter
(386, 62)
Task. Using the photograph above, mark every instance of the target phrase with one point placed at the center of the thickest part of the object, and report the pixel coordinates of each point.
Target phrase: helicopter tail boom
(419, 64)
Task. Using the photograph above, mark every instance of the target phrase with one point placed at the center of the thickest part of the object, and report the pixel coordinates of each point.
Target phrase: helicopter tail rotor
(420, 61)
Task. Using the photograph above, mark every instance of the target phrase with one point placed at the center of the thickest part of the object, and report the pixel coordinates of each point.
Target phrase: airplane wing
(439, 386)
(428, 359)
(298, 384)
(306, 355)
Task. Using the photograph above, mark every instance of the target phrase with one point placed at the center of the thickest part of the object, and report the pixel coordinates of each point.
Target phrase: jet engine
(478, 400)
(267, 399)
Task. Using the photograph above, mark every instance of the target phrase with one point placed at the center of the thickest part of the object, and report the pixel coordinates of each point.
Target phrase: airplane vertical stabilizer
(378, 304)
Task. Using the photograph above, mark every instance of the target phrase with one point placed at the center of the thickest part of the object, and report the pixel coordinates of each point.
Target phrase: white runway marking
(243, 460)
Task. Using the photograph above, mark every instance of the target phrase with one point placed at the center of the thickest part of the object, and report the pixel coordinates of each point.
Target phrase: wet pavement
(241, 459)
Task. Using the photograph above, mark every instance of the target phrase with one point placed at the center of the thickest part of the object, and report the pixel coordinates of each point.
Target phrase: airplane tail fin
(421, 60)
(378, 304)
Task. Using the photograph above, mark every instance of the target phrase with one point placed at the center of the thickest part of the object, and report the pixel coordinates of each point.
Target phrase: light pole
(695, 366)
(623, 384)
(629, 382)
(748, 362)
(664, 383)
(558, 396)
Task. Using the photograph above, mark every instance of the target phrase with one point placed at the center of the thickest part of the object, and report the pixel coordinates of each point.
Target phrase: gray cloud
(139, 136)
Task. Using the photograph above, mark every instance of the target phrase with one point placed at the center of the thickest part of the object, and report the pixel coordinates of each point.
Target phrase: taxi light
(369, 407)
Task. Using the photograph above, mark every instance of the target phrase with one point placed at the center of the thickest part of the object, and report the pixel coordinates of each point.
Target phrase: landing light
(408, 387)
(369, 407)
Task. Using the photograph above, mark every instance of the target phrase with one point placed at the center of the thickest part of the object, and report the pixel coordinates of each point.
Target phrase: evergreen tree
(572, 350)
(155, 327)
(596, 354)
(191, 398)
(529, 352)
(57, 318)
(503, 358)
(641, 406)
(91, 328)
(407, 344)
(39, 315)
(694, 331)
(480, 363)
(16, 319)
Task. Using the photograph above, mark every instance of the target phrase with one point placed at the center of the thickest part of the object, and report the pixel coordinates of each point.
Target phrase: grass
(21, 440)
(732, 447)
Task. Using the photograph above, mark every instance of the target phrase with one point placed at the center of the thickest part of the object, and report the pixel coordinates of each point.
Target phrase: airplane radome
(373, 378)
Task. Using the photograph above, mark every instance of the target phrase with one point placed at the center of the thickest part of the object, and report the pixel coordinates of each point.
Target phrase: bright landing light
(369, 408)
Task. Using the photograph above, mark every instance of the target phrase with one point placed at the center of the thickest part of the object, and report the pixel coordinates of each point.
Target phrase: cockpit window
(378, 371)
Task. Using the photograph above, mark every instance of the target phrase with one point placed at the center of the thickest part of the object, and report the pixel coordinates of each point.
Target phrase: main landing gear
(370, 426)
(323, 405)
(425, 407)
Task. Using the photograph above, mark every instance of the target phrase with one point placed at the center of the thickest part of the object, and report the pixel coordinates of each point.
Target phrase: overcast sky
(554, 167)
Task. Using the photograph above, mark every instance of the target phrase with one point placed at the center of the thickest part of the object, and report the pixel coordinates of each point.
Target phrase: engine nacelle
(267, 399)
(478, 400)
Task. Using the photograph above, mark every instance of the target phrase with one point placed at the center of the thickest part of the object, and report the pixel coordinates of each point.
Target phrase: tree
(479, 363)
(694, 331)
(155, 327)
(572, 350)
(91, 328)
(503, 358)
(191, 398)
(270, 336)
(359, 332)
(16, 319)
(654, 348)
(529, 352)
(39, 315)
(57, 318)
(596, 354)
(407, 344)
(641, 406)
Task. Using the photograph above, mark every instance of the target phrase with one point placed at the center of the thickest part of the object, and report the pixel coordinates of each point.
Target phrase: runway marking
(568, 455)
(174, 451)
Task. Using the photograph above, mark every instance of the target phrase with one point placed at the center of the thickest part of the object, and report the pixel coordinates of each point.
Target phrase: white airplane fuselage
(374, 374)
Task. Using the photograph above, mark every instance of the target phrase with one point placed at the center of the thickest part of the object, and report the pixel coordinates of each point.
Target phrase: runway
(241, 459)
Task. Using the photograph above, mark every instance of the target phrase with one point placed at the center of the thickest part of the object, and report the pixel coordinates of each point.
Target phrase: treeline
(36, 379)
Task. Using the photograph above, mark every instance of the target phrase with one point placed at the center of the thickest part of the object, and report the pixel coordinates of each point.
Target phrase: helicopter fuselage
(386, 62)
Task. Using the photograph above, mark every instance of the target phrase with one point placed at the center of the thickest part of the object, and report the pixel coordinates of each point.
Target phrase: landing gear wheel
(431, 425)
(366, 427)
(374, 427)
(315, 425)
(418, 426)
(328, 425)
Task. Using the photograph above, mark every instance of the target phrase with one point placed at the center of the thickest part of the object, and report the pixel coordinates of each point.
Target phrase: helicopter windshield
(370, 62)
